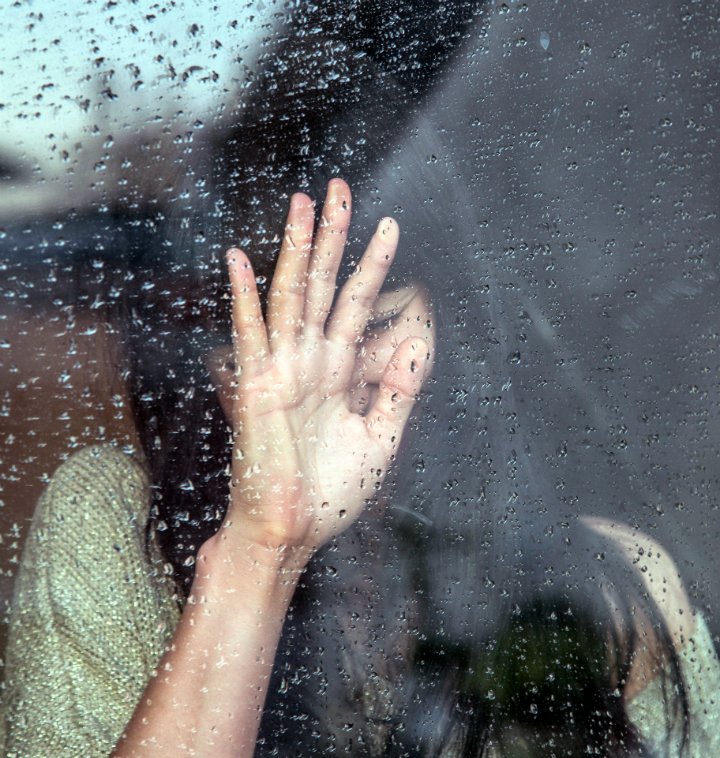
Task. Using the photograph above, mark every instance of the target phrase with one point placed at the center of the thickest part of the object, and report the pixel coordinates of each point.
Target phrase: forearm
(208, 695)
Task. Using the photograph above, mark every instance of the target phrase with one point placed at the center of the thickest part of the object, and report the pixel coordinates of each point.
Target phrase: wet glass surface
(554, 172)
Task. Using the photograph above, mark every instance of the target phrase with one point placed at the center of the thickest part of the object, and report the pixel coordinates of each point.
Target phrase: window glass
(524, 566)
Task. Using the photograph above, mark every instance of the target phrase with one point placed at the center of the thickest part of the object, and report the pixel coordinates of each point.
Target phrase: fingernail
(234, 254)
(336, 188)
(297, 200)
(388, 228)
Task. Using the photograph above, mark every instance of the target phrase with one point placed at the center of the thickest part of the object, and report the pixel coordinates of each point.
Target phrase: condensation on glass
(554, 171)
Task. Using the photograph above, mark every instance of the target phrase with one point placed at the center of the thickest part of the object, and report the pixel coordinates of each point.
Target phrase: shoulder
(91, 613)
(98, 483)
(98, 469)
(89, 527)
(701, 684)
(89, 548)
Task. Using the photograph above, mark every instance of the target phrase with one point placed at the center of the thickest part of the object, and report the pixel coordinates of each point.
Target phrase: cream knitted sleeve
(91, 614)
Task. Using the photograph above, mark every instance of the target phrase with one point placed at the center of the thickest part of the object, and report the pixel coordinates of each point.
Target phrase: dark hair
(551, 679)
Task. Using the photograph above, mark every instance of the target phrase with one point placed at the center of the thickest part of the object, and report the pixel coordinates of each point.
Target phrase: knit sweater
(93, 613)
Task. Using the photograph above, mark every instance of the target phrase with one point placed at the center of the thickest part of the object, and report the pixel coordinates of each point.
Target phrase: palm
(303, 462)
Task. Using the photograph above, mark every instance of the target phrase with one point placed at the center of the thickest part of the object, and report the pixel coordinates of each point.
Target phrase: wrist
(263, 548)
(227, 561)
(230, 575)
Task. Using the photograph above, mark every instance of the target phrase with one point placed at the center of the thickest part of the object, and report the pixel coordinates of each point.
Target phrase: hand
(304, 461)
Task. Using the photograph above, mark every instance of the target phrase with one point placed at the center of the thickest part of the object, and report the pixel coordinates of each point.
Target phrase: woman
(303, 465)
(106, 658)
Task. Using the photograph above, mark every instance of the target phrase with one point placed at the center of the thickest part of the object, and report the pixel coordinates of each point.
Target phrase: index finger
(360, 292)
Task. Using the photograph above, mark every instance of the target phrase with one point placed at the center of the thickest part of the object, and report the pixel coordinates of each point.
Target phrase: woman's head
(546, 683)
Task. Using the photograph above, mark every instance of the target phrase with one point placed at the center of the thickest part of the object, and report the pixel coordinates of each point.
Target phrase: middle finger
(326, 256)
